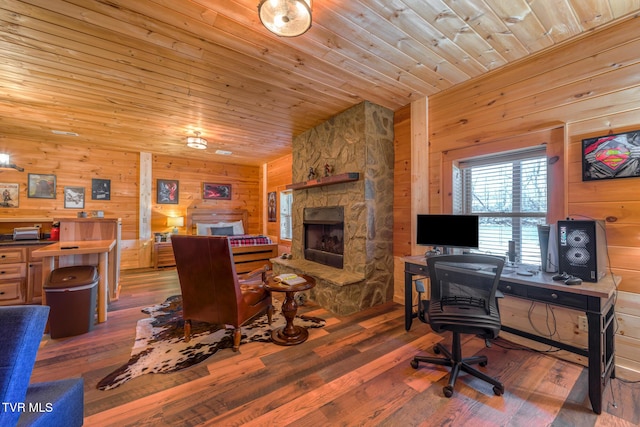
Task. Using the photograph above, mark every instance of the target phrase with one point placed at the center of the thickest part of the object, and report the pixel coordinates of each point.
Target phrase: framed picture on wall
(100, 189)
(167, 191)
(10, 195)
(41, 186)
(611, 156)
(74, 197)
(216, 191)
(272, 206)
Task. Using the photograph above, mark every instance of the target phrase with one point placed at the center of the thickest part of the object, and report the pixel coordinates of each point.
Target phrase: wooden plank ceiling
(142, 75)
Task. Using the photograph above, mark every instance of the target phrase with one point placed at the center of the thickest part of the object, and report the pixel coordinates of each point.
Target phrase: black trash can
(71, 295)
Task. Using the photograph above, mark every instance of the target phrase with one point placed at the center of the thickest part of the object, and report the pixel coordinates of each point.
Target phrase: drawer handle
(2, 293)
(3, 256)
(508, 287)
(554, 296)
(2, 272)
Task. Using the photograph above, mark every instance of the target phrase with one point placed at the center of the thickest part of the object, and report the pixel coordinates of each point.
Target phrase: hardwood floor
(353, 372)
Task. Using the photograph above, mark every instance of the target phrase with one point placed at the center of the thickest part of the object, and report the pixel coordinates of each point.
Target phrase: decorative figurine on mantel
(328, 169)
(312, 174)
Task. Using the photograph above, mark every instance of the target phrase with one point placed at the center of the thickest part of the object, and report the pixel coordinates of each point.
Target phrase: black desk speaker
(582, 249)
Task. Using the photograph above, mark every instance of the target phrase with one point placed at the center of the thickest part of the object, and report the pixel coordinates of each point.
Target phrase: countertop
(10, 242)
(81, 247)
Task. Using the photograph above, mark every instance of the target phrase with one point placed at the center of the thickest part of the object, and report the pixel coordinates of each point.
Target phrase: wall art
(41, 186)
(10, 195)
(100, 189)
(272, 212)
(611, 156)
(167, 191)
(73, 197)
(216, 191)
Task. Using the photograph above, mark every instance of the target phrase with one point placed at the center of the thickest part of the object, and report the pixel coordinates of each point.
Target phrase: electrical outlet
(582, 324)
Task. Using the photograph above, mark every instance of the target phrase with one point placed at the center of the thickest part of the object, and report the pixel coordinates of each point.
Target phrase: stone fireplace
(357, 142)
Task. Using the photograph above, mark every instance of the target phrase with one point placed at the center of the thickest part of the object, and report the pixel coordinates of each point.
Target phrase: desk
(49, 254)
(596, 300)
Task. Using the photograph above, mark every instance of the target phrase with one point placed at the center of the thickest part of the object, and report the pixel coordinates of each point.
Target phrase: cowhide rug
(160, 348)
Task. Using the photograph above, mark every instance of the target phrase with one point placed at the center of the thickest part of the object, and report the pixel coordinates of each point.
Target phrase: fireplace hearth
(324, 235)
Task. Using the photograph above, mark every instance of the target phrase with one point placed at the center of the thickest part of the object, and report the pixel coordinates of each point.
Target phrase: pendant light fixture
(196, 142)
(286, 18)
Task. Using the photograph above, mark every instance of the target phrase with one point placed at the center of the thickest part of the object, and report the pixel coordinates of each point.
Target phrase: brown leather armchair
(211, 290)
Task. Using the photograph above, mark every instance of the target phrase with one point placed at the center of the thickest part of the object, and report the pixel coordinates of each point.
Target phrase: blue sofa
(50, 404)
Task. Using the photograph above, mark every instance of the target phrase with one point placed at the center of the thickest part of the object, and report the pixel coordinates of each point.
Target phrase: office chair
(463, 301)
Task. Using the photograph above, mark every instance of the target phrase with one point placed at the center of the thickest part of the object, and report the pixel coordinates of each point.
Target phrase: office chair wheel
(447, 391)
(436, 349)
(414, 364)
(498, 391)
(483, 364)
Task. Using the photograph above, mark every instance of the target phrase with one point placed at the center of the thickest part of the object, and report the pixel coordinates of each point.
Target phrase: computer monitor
(448, 231)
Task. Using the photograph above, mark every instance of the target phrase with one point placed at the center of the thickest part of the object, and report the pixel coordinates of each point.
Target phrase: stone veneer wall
(359, 139)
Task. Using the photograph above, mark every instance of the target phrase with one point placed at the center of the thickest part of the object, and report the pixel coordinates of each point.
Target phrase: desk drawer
(416, 269)
(515, 290)
(565, 299)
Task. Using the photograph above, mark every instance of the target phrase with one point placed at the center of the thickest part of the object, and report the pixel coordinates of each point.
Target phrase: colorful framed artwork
(167, 191)
(73, 197)
(272, 212)
(611, 156)
(10, 195)
(216, 191)
(41, 186)
(100, 189)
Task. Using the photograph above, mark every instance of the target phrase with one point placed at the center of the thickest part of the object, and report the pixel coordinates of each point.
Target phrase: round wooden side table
(289, 334)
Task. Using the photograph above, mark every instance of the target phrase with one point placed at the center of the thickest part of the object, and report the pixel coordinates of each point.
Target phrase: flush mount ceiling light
(286, 18)
(196, 142)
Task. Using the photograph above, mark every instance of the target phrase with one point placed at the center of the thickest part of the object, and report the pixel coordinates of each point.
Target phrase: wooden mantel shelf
(327, 180)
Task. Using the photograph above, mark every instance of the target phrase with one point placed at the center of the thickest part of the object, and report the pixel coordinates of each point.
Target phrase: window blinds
(508, 191)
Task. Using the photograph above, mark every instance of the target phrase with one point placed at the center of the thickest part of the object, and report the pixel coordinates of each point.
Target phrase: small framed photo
(10, 195)
(216, 191)
(100, 189)
(74, 197)
(167, 191)
(41, 186)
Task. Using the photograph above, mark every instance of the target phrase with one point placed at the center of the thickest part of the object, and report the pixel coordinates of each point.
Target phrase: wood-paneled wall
(192, 174)
(589, 87)
(279, 175)
(402, 183)
(75, 165)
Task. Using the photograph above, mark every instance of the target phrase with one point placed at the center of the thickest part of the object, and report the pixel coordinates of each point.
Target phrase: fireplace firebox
(324, 235)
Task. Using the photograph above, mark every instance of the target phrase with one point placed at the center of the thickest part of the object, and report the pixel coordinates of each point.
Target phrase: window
(286, 227)
(509, 193)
